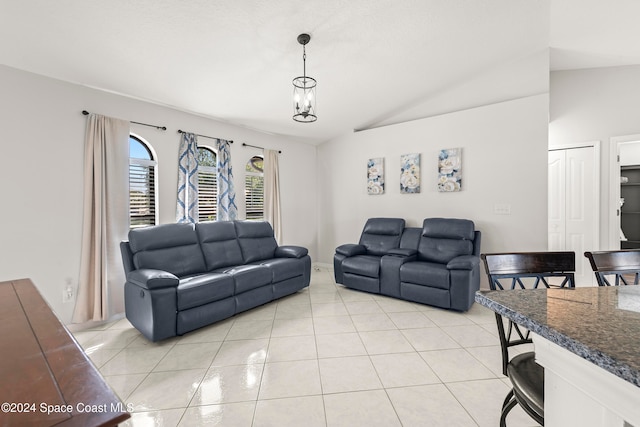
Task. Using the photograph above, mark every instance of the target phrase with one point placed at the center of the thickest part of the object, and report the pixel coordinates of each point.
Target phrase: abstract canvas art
(375, 176)
(450, 170)
(410, 173)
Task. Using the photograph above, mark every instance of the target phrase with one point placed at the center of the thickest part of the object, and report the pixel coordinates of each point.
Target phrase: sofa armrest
(152, 279)
(403, 252)
(464, 262)
(291, 252)
(351, 249)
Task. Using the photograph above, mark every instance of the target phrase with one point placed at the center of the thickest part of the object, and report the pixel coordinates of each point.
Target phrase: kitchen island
(588, 340)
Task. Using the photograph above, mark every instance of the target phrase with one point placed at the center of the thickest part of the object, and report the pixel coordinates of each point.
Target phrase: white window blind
(142, 184)
(207, 193)
(207, 185)
(254, 196)
(254, 188)
(142, 191)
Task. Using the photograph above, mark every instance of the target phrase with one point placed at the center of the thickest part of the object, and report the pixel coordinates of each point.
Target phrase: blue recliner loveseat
(438, 264)
(181, 277)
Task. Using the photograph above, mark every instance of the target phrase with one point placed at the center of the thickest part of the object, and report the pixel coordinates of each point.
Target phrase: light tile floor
(325, 356)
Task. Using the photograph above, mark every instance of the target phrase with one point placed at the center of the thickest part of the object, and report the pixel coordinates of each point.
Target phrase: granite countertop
(599, 324)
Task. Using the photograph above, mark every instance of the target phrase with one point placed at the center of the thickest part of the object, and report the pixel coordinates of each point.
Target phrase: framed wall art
(450, 170)
(375, 176)
(410, 173)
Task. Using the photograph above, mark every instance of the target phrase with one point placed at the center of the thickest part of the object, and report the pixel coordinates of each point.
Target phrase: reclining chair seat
(283, 268)
(426, 274)
(248, 277)
(358, 266)
(362, 265)
(202, 289)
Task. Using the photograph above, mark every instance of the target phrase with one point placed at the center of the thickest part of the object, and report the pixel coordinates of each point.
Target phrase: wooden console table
(45, 377)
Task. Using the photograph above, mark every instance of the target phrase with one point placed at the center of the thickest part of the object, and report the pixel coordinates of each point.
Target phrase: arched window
(142, 183)
(207, 184)
(254, 188)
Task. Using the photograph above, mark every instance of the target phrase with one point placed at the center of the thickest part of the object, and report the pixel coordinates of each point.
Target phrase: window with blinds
(254, 188)
(142, 184)
(207, 185)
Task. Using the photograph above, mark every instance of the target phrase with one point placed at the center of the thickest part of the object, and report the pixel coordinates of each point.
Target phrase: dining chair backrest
(526, 270)
(620, 267)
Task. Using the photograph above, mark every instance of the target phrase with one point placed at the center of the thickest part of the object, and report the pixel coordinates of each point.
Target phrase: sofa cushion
(362, 265)
(256, 240)
(168, 247)
(411, 238)
(202, 289)
(248, 277)
(448, 228)
(219, 244)
(443, 250)
(284, 268)
(426, 274)
(381, 234)
(445, 238)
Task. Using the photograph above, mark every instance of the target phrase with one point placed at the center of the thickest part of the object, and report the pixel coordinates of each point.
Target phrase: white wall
(595, 105)
(504, 162)
(41, 175)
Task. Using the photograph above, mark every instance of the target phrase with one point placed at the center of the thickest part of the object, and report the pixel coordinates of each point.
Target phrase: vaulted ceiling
(377, 62)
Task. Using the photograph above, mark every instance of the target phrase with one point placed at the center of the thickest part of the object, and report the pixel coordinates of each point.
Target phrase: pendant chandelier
(304, 90)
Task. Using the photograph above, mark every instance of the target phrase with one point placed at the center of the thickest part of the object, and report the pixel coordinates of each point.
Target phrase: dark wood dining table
(45, 377)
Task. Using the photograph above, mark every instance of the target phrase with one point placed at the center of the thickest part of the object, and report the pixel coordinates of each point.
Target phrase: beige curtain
(272, 193)
(106, 219)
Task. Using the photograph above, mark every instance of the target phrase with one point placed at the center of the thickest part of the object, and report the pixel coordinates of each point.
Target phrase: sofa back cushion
(219, 244)
(169, 247)
(411, 238)
(381, 234)
(445, 238)
(256, 240)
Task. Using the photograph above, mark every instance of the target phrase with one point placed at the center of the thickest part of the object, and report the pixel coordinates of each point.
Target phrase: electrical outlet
(68, 291)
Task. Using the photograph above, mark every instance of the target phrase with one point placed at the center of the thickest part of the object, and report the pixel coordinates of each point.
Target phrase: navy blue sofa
(181, 277)
(438, 264)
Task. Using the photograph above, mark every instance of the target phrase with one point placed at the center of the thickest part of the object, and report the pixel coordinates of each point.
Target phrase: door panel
(556, 184)
(572, 206)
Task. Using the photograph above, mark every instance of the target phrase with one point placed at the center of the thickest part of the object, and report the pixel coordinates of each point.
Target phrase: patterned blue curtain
(227, 208)
(187, 208)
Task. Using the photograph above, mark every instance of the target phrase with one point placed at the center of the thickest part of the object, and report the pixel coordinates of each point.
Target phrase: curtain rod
(86, 113)
(204, 136)
(255, 146)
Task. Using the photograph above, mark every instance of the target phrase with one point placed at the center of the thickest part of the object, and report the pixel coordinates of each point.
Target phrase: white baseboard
(77, 327)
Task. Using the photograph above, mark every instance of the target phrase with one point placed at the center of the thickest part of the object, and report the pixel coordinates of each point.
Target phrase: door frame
(614, 187)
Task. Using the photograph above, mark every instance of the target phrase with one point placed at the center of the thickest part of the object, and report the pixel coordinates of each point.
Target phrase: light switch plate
(502, 209)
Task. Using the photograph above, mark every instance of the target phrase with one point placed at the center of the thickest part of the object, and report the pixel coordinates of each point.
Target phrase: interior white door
(573, 206)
